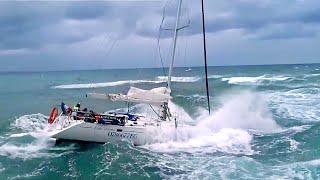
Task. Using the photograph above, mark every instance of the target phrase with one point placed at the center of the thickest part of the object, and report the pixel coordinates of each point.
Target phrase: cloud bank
(53, 35)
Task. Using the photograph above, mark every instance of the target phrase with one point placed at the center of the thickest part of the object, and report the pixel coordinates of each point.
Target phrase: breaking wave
(311, 75)
(228, 130)
(179, 79)
(105, 84)
(300, 104)
(215, 76)
(251, 80)
(32, 127)
(31, 123)
(159, 79)
(190, 79)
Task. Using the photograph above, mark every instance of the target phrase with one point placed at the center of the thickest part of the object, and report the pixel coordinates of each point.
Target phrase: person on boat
(76, 107)
(66, 110)
(74, 111)
(95, 116)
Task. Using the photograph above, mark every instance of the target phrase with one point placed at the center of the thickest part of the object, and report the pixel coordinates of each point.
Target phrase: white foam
(293, 144)
(296, 129)
(312, 75)
(31, 123)
(159, 79)
(37, 127)
(179, 79)
(315, 162)
(251, 80)
(291, 170)
(227, 130)
(194, 97)
(197, 139)
(18, 135)
(105, 84)
(41, 147)
(215, 76)
(300, 104)
(24, 151)
(246, 110)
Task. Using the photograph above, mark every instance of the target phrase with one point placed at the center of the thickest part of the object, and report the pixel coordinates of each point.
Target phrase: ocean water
(265, 124)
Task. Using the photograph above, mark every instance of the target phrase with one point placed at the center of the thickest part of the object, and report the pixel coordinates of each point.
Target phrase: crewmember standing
(76, 107)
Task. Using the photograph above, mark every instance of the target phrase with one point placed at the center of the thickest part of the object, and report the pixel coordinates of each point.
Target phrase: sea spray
(254, 79)
(35, 127)
(225, 130)
(293, 153)
(245, 110)
(31, 123)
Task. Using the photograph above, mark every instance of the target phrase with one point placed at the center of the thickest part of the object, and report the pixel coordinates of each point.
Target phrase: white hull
(78, 130)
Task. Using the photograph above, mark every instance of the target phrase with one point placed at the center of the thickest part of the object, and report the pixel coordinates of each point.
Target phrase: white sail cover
(154, 96)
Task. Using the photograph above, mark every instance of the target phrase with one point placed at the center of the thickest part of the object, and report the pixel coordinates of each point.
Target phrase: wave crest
(228, 129)
(39, 145)
(105, 84)
(159, 79)
(251, 80)
(179, 79)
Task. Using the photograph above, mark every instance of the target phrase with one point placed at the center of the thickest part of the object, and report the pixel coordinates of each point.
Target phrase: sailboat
(116, 126)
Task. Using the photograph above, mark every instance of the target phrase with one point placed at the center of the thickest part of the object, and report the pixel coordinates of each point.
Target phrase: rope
(155, 112)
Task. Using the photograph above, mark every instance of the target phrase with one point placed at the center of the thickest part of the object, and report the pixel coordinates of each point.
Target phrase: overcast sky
(53, 35)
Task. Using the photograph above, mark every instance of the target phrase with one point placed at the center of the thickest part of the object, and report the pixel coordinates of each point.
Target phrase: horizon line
(101, 69)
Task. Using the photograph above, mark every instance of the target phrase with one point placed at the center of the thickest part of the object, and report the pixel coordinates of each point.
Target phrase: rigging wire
(159, 37)
(161, 28)
(185, 35)
(112, 45)
(155, 111)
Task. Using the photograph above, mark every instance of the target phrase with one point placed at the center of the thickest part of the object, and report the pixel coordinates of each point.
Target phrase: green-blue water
(264, 125)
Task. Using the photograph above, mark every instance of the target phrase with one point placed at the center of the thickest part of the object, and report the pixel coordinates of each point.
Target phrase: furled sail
(156, 96)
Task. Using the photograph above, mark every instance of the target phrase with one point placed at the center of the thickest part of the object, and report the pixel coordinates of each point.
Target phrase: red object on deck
(53, 115)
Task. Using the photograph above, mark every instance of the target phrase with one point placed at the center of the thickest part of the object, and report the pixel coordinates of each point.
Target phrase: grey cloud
(254, 16)
(86, 10)
(36, 24)
(286, 31)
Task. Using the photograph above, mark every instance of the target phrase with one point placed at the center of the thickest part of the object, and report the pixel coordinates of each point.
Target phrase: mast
(165, 108)
(176, 29)
(205, 55)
